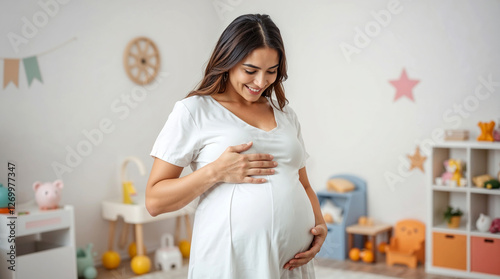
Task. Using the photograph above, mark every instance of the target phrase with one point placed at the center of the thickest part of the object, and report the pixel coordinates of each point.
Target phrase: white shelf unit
(465, 245)
(45, 244)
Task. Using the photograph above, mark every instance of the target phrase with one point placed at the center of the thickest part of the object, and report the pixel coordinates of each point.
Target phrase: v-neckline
(246, 123)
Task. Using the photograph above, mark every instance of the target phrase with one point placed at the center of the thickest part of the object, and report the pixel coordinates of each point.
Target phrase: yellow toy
(486, 131)
(127, 185)
(457, 174)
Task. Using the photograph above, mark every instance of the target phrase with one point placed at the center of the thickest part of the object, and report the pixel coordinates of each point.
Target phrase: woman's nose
(260, 81)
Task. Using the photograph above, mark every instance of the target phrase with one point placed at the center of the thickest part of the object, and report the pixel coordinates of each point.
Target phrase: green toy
(85, 263)
(492, 184)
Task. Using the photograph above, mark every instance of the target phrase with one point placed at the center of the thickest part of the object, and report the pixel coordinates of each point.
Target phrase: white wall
(350, 121)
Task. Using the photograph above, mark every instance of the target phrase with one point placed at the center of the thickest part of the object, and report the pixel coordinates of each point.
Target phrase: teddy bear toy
(453, 174)
(495, 226)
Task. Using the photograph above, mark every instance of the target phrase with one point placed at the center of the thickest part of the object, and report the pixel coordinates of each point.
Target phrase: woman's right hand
(233, 167)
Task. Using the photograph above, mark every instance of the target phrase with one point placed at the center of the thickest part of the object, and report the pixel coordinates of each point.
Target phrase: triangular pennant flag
(31, 68)
(11, 72)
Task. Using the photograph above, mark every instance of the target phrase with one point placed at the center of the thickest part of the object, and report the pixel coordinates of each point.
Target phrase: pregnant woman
(258, 216)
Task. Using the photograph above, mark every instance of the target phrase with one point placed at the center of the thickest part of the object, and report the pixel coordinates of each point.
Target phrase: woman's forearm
(168, 195)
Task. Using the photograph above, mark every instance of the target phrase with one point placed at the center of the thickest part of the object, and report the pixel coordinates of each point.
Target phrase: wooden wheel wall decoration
(141, 60)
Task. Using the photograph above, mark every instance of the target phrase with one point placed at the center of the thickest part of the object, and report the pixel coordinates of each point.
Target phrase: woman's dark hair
(245, 34)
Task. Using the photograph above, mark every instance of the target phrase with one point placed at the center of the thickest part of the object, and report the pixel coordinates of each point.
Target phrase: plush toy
(492, 184)
(486, 131)
(453, 174)
(495, 226)
(480, 179)
(331, 212)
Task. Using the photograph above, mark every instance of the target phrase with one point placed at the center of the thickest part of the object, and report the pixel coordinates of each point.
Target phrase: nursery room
(110, 170)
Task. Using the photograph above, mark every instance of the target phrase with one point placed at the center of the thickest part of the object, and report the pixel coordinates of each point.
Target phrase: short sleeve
(299, 137)
(177, 142)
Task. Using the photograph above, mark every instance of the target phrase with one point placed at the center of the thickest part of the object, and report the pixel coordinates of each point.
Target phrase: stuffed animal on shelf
(453, 174)
(481, 179)
(495, 226)
(492, 184)
(486, 131)
(331, 212)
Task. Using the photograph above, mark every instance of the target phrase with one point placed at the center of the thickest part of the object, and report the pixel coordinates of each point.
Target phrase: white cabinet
(463, 251)
(44, 244)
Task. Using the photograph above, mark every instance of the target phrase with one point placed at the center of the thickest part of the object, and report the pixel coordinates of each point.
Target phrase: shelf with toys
(464, 182)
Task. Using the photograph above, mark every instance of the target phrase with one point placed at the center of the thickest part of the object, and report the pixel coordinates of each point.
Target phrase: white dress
(242, 230)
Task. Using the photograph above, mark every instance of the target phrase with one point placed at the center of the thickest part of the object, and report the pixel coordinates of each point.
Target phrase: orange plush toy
(486, 131)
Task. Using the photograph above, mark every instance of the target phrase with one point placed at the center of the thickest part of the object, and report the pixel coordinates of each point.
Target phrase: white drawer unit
(44, 244)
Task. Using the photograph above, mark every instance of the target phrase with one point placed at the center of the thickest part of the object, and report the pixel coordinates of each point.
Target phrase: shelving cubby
(463, 251)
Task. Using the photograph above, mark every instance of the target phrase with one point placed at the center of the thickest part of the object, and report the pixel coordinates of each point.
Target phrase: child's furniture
(408, 244)
(44, 244)
(464, 251)
(137, 215)
(368, 230)
(168, 256)
(353, 205)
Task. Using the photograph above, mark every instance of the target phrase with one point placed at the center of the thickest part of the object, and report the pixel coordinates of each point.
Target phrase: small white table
(137, 214)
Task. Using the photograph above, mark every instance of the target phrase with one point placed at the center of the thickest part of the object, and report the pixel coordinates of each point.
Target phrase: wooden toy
(168, 257)
(492, 184)
(486, 131)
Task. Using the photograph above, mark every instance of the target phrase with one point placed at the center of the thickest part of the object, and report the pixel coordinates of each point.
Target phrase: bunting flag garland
(32, 69)
(30, 64)
(11, 72)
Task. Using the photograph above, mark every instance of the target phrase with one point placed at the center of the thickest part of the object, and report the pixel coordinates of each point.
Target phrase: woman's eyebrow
(255, 67)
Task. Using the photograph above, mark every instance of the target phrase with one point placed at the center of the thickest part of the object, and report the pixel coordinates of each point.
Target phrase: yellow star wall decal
(417, 160)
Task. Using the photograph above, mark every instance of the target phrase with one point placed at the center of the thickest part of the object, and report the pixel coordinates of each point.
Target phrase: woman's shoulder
(196, 102)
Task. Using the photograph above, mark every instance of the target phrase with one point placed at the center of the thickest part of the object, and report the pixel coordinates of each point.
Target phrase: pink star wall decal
(404, 85)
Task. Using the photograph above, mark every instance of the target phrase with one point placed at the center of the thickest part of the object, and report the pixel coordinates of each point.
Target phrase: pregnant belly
(275, 217)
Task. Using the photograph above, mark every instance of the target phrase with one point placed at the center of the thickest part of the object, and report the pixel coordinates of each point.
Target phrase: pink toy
(48, 195)
(495, 226)
(448, 174)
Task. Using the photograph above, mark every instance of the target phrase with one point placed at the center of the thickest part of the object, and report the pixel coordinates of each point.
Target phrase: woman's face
(254, 74)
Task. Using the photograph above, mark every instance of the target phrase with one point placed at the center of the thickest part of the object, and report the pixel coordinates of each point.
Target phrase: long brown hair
(245, 34)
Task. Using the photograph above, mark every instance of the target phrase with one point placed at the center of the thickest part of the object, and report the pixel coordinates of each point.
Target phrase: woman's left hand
(303, 258)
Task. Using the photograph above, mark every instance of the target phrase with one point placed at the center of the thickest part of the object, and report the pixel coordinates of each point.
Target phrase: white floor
(321, 273)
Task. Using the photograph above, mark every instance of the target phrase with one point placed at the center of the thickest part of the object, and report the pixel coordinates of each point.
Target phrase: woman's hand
(233, 167)
(303, 258)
